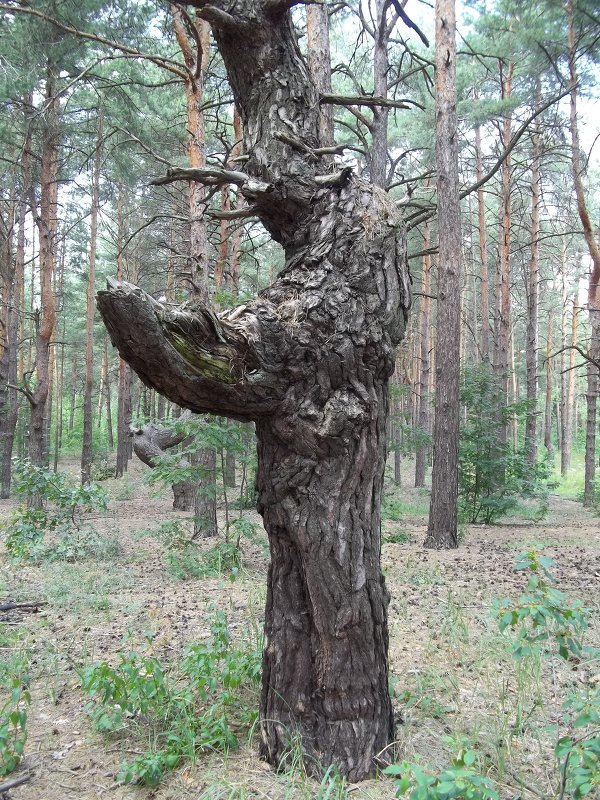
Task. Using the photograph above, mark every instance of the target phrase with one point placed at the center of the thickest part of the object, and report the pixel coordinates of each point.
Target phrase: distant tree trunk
(569, 406)
(531, 351)
(594, 252)
(109, 424)
(87, 450)
(442, 531)
(205, 511)
(9, 403)
(548, 402)
(381, 68)
(47, 226)
(125, 375)
(422, 450)
(483, 255)
(503, 312)
(309, 361)
(319, 64)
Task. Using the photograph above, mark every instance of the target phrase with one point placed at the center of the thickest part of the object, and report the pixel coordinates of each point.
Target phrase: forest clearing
(299, 376)
(451, 668)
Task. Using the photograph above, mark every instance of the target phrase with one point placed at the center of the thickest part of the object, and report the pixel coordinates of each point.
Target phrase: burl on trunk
(308, 361)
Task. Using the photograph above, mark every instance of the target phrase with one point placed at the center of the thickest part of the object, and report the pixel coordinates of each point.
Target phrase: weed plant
(64, 505)
(14, 682)
(198, 705)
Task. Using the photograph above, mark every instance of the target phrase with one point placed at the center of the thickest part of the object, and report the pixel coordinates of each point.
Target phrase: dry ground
(453, 672)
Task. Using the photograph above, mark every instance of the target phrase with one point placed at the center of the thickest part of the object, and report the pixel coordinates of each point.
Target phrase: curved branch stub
(189, 355)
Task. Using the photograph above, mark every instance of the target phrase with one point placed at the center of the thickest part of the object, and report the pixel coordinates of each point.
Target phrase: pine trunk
(47, 226)
(531, 351)
(86, 452)
(442, 531)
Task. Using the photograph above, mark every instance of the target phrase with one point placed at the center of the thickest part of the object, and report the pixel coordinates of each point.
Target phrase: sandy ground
(451, 670)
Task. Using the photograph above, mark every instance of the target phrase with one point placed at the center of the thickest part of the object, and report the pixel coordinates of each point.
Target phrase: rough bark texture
(442, 531)
(309, 361)
(548, 397)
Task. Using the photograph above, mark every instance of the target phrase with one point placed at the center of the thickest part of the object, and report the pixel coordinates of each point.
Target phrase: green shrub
(492, 476)
(13, 714)
(65, 503)
(195, 706)
(460, 780)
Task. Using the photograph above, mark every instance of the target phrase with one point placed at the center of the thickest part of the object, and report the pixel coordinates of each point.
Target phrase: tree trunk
(503, 311)
(319, 64)
(47, 225)
(569, 406)
(205, 510)
(422, 450)
(309, 362)
(531, 350)
(379, 126)
(442, 531)
(86, 452)
(125, 375)
(594, 252)
(548, 400)
(483, 255)
(9, 404)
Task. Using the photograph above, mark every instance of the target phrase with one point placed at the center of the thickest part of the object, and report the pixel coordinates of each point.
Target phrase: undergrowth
(200, 704)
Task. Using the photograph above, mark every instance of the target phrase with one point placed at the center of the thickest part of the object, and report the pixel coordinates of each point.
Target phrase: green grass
(571, 485)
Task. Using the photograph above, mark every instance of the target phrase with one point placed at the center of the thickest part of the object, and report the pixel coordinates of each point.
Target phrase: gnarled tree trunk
(308, 361)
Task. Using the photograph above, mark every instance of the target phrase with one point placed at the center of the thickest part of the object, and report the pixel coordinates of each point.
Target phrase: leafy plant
(543, 615)
(459, 780)
(195, 706)
(65, 503)
(492, 476)
(13, 714)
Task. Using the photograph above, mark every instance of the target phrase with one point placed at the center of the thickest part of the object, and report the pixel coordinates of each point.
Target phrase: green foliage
(492, 476)
(396, 537)
(580, 755)
(545, 620)
(460, 780)
(543, 617)
(195, 706)
(14, 679)
(185, 558)
(397, 509)
(65, 503)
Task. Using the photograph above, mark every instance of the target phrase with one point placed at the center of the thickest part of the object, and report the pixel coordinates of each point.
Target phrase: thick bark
(309, 361)
(86, 451)
(442, 530)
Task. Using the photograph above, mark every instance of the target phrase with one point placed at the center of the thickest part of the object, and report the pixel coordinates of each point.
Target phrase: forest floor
(453, 672)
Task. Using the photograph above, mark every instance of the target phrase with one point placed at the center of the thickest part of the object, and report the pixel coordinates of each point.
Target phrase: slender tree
(442, 531)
